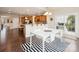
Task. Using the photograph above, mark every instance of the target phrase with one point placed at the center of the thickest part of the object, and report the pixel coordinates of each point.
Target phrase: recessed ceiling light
(9, 12)
(50, 13)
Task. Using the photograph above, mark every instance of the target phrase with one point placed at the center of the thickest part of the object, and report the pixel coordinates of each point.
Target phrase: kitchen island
(3, 30)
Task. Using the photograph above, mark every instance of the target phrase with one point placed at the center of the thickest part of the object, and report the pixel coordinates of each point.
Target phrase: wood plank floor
(13, 40)
(15, 37)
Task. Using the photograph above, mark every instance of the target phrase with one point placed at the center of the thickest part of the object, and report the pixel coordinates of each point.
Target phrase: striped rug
(54, 46)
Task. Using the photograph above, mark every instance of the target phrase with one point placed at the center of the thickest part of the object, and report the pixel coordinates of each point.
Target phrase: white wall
(15, 22)
(49, 22)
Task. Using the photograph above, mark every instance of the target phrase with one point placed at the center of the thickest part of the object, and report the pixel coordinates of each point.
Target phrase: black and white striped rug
(54, 46)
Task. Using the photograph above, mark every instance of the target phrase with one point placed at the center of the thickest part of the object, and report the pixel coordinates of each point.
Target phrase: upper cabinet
(30, 19)
(26, 19)
(40, 19)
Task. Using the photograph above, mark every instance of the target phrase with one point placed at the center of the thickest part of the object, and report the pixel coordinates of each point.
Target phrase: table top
(44, 33)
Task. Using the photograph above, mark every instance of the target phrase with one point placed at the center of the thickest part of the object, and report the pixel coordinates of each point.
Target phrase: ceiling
(36, 10)
(22, 10)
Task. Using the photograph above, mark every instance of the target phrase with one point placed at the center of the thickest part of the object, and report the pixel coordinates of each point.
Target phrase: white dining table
(44, 35)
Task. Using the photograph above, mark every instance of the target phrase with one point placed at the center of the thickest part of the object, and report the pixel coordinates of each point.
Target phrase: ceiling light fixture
(47, 13)
(26, 18)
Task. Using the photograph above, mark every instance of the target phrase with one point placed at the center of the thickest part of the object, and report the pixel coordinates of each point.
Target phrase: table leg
(43, 46)
(30, 41)
(61, 36)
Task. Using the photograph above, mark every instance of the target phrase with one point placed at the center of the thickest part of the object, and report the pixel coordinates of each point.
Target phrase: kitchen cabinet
(40, 19)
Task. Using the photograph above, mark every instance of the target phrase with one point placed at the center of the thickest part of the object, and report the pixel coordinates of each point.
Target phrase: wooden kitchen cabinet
(40, 19)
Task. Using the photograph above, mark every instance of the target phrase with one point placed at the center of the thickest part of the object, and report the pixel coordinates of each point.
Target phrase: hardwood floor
(13, 40)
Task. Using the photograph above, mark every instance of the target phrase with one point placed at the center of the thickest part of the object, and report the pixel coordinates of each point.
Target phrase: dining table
(44, 34)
